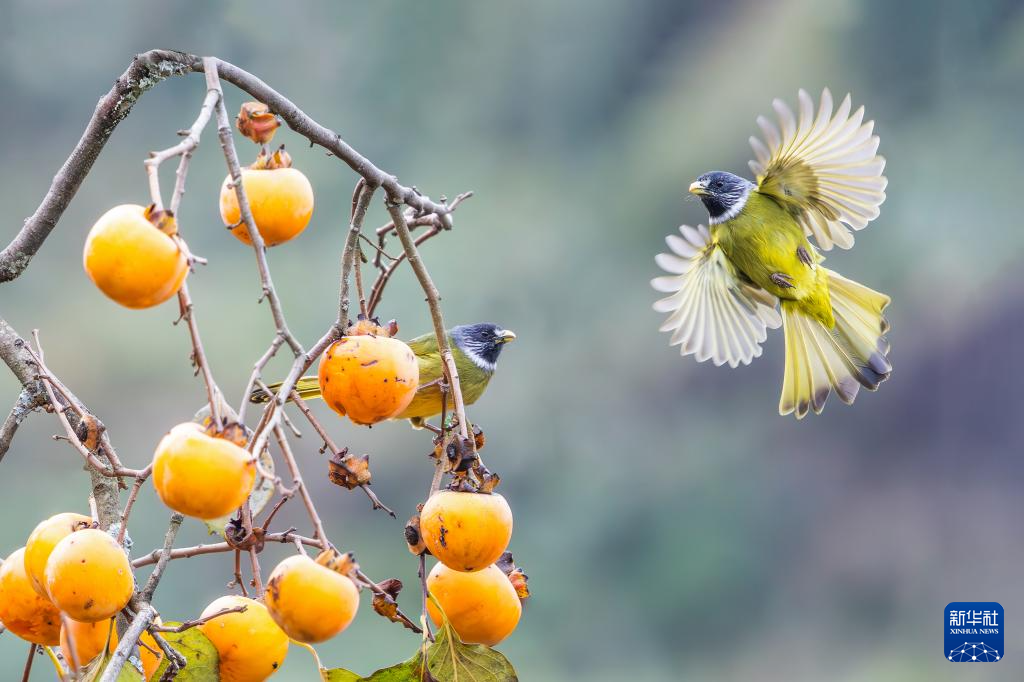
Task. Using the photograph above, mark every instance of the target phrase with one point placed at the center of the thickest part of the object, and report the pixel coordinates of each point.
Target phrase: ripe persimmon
(88, 576)
(22, 610)
(251, 645)
(368, 378)
(280, 197)
(466, 531)
(311, 603)
(43, 539)
(89, 638)
(131, 259)
(201, 475)
(482, 607)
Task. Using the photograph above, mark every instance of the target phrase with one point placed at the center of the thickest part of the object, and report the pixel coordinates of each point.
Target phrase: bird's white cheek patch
(734, 210)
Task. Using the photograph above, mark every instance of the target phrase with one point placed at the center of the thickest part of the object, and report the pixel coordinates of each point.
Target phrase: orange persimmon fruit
(22, 610)
(309, 602)
(200, 475)
(131, 259)
(88, 576)
(89, 638)
(482, 607)
(466, 531)
(43, 539)
(368, 378)
(251, 645)
(280, 197)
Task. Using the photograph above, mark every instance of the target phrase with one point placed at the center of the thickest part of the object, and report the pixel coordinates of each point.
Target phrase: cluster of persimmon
(68, 583)
(68, 567)
(135, 255)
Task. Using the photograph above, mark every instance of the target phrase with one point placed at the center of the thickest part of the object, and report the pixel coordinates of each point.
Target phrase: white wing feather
(712, 314)
(826, 164)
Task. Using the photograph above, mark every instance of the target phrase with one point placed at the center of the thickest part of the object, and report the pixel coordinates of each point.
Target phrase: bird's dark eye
(718, 184)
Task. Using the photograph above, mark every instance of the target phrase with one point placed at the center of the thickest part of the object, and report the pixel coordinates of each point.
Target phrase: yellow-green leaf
(94, 670)
(409, 671)
(201, 659)
(449, 660)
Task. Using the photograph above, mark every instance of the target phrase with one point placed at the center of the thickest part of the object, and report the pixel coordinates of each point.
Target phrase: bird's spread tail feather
(307, 388)
(852, 354)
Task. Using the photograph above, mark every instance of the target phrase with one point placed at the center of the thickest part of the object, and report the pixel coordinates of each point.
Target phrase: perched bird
(475, 347)
(819, 177)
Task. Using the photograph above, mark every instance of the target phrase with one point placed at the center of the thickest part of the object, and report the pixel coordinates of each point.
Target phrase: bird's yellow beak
(698, 188)
(506, 336)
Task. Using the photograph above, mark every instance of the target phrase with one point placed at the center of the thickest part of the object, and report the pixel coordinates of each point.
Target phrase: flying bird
(475, 347)
(817, 176)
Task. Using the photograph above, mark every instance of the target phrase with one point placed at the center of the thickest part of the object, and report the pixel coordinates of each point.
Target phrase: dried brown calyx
(339, 562)
(413, 536)
(272, 161)
(372, 326)
(519, 579)
(256, 122)
(162, 220)
(349, 471)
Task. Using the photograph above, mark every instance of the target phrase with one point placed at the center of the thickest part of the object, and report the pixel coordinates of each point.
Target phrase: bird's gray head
(723, 194)
(482, 342)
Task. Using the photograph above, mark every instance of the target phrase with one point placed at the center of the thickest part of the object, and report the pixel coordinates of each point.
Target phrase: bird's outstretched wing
(713, 314)
(823, 167)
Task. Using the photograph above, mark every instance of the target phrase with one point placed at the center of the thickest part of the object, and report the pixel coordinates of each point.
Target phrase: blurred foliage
(673, 526)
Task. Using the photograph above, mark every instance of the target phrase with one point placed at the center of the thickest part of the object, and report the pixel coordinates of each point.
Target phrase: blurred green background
(673, 525)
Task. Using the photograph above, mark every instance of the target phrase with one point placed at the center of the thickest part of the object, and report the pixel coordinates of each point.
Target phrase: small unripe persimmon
(22, 610)
(43, 539)
(132, 260)
(251, 645)
(201, 475)
(483, 607)
(311, 603)
(281, 200)
(88, 576)
(368, 378)
(89, 638)
(466, 531)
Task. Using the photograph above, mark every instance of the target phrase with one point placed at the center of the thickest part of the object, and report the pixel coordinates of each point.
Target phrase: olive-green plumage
(817, 175)
(475, 349)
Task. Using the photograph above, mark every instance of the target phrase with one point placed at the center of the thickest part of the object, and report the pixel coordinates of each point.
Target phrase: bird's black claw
(782, 280)
(804, 256)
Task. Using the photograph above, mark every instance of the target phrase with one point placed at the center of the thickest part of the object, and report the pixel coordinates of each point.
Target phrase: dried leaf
(349, 471)
(256, 122)
(201, 658)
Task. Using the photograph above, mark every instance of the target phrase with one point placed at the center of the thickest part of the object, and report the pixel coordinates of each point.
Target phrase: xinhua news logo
(974, 632)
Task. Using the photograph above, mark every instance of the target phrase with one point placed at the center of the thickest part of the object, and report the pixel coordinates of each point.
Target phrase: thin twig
(227, 144)
(139, 480)
(216, 548)
(330, 445)
(188, 624)
(434, 303)
(154, 578)
(28, 663)
(307, 499)
(129, 640)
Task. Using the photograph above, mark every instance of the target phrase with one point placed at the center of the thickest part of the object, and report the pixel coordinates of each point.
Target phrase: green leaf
(94, 670)
(262, 492)
(409, 671)
(200, 655)
(449, 660)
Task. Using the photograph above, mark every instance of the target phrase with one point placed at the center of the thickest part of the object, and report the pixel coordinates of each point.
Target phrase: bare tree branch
(145, 71)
